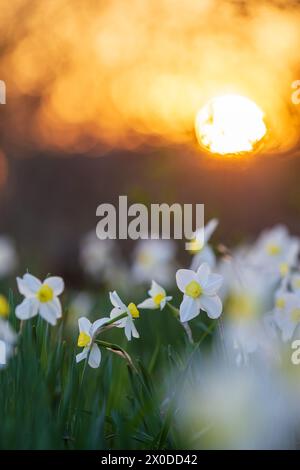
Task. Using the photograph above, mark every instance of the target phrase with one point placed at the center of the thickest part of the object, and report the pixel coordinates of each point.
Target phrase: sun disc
(230, 124)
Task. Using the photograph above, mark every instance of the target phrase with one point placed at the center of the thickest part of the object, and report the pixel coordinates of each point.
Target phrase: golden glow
(230, 124)
(119, 72)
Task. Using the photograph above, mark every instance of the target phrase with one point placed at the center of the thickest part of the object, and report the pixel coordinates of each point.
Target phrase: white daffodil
(40, 297)
(87, 334)
(200, 292)
(295, 283)
(8, 338)
(200, 248)
(126, 322)
(287, 313)
(158, 298)
(275, 252)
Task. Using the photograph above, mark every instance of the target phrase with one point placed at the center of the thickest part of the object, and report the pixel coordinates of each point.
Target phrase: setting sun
(230, 124)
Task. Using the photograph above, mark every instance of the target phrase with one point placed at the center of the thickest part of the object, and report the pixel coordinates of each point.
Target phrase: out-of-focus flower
(247, 296)
(8, 256)
(200, 292)
(202, 252)
(8, 338)
(154, 259)
(295, 283)
(126, 322)
(158, 298)
(4, 307)
(40, 297)
(287, 313)
(275, 252)
(87, 334)
(98, 257)
(80, 305)
(225, 407)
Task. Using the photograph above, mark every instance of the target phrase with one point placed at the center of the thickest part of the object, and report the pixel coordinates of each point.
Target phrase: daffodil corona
(157, 298)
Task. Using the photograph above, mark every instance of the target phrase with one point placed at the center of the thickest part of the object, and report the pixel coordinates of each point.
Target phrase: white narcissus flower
(126, 322)
(158, 298)
(200, 292)
(275, 252)
(154, 259)
(295, 283)
(40, 297)
(87, 334)
(287, 313)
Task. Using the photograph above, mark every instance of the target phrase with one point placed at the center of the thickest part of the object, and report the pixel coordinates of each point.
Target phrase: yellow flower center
(83, 339)
(297, 283)
(133, 310)
(273, 249)
(241, 306)
(280, 303)
(45, 293)
(195, 246)
(158, 298)
(145, 259)
(284, 269)
(193, 289)
(4, 306)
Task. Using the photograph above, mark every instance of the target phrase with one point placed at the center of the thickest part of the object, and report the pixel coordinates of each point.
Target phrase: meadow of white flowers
(239, 391)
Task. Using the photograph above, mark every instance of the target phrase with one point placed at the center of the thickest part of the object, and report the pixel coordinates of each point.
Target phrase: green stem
(174, 310)
(184, 325)
(113, 320)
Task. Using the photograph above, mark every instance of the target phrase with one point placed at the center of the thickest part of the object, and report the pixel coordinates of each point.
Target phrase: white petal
(58, 308)
(84, 325)
(128, 328)
(184, 277)
(97, 325)
(24, 289)
(156, 289)
(116, 312)
(209, 229)
(164, 301)
(48, 311)
(203, 273)
(134, 331)
(27, 309)
(213, 284)
(95, 357)
(212, 305)
(204, 256)
(189, 309)
(148, 303)
(82, 355)
(116, 301)
(288, 329)
(32, 283)
(56, 283)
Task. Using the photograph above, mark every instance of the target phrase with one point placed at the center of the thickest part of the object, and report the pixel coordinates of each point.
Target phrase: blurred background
(101, 102)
